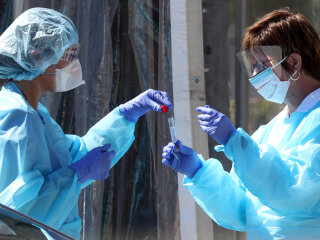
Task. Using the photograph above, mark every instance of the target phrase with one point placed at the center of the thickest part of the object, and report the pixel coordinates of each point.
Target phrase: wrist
(128, 113)
(196, 169)
(79, 170)
(234, 130)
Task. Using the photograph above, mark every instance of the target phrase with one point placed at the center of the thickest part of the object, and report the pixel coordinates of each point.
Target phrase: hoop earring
(295, 79)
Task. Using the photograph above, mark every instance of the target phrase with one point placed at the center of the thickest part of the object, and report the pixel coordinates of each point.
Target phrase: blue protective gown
(34, 156)
(273, 189)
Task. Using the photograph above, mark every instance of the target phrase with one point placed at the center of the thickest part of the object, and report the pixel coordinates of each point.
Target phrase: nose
(255, 72)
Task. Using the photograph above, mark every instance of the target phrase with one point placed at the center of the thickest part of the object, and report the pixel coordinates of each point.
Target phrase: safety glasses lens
(71, 53)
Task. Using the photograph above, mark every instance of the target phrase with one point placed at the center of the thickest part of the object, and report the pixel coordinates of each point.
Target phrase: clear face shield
(258, 58)
(263, 66)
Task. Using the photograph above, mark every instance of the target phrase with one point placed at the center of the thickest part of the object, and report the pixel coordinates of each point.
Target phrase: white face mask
(69, 77)
(269, 85)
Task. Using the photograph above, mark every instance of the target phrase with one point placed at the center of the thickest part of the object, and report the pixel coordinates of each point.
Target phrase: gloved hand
(188, 163)
(143, 103)
(95, 164)
(216, 124)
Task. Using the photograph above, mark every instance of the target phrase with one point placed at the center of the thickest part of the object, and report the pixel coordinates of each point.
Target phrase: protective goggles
(71, 53)
(259, 58)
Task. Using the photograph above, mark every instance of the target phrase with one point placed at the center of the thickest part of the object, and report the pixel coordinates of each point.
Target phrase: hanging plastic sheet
(5, 14)
(119, 61)
(149, 31)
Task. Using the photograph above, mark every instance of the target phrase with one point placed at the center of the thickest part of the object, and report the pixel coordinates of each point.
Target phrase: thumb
(180, 146)
(183, 149)
(105, 147)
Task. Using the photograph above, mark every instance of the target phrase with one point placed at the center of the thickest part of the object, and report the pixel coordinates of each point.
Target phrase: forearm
(113, 129)
(49, 199)
(279, 182)
(219, 195)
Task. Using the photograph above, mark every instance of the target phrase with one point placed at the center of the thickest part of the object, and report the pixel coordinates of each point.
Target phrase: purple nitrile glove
(95, 164)
(143, 103)
(187, 163)
(216, 124)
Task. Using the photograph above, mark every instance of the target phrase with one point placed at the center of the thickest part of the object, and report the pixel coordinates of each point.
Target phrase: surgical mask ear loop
(295, 79)
(291, 78)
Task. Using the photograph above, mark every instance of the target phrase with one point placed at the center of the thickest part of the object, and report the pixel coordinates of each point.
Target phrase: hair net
(33, 42)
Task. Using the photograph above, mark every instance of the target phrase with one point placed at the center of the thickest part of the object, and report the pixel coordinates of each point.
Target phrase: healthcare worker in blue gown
(273, 189)
(42, 170)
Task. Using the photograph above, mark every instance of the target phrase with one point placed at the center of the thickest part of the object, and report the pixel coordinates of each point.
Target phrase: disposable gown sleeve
(220, 195)
(286, 181)
(113, 129)
(28, 182)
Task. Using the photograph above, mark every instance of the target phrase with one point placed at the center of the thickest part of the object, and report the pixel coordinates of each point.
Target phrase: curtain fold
(125, 49)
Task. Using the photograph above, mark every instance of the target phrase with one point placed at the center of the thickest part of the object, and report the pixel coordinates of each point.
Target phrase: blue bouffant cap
(33, 42)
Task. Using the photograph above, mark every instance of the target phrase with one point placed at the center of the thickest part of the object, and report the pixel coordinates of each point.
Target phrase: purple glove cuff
(195, 170)
(80, 173)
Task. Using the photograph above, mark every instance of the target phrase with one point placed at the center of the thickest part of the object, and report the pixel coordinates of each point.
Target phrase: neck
(300, 90)
(31, 91)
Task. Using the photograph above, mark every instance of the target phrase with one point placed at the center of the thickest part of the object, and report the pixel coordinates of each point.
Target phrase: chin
(51, 88)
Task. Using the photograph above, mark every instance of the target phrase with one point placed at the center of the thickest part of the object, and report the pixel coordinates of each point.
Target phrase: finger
(166, 155)
(204, 123)
(178, 143)
(182, 149)
(154, 106)
(206, 110)
(209, 130)
(172, 145)
(206, 117)
(167, 149)
(204, 128)
(166, 162)
(166, 100)
(161, 98)
(104, 148)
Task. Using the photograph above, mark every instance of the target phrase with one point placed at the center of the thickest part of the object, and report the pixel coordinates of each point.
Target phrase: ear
(295, 61)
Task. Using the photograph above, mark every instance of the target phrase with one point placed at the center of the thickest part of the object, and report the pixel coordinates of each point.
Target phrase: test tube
(172, 129)
(172, 132)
